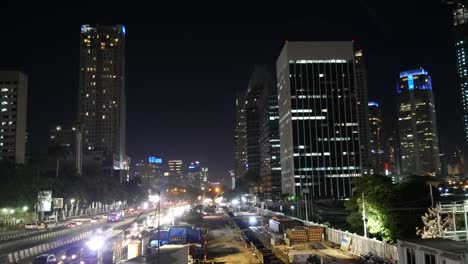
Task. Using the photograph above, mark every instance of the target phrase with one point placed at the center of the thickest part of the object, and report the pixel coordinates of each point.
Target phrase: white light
(153, 198)
(252, 220)
(235, 202)
(292, 207)
(73, 256)
(95, 243)
(244, 200)
(145, 206)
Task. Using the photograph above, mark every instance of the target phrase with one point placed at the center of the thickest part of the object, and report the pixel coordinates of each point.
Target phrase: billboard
(44, 201)
(58, 203)
(154, 160)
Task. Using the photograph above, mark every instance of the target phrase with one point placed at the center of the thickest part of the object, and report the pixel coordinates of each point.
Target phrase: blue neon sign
(410, 82)
(154, 160)
(373, 104)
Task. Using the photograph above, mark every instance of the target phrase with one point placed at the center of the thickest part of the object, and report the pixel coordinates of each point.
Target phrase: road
(28, 243)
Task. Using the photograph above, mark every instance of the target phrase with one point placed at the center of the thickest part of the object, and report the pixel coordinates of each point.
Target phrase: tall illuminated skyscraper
(419, 143)
(102, 103)
(318, 119)
(460, 27)
(13, 105)
(376, 139)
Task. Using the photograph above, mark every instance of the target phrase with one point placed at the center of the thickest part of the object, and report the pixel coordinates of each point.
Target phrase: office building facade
(102, 102)
(240, 138)
(318, 119)
(65, 146)
(419, 143)
(13, 115)
(175, 171)
(376, 142)
(363, 111)
(269, 145)
(460, 28)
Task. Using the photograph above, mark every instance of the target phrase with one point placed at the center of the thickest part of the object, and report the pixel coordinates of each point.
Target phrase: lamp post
(96, 243)
(292, 209)
(4, 211)
(72, 205)
(25, 209)
(12, 211)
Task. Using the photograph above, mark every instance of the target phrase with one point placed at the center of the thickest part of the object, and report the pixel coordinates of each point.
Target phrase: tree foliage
(392, 211)
(430, 228)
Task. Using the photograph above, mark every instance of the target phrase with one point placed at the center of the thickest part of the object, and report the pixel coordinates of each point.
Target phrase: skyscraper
(319, 130)
(269, 145)
(419, 144)
(377, 155)
(460, 27)
(13, 105)
(102, 103)
(363, 111)
(240, 138)
(175, 171)
(65, 147)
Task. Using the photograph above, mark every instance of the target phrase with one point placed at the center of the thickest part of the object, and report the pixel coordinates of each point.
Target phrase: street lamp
(25, 208)
(292, 208)
(96, 243)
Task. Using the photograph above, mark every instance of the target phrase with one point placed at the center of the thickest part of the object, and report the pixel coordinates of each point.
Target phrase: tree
(378, 196)
(430, 228)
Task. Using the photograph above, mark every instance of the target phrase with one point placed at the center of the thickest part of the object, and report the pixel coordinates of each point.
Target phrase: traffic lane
(77, 230)
(61, 251)
(52, 227)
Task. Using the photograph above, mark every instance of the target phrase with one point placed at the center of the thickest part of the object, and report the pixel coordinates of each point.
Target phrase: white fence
(361, 245)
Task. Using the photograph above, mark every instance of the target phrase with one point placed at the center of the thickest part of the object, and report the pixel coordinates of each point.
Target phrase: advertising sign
(44, 201)
(154, 160)
(58, 203)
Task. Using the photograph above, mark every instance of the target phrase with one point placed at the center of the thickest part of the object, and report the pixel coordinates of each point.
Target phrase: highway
(33, 241)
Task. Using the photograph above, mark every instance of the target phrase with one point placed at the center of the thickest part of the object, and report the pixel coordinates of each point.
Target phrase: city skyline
(164, 115)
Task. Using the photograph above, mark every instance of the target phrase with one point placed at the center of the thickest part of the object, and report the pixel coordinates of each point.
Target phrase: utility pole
(432, 197)
(159, 216)
(364, 220)
(305, 192)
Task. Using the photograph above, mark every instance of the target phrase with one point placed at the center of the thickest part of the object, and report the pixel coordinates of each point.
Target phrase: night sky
(185, 63)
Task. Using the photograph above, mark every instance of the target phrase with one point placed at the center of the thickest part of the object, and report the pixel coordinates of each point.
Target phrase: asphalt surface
(58, 252)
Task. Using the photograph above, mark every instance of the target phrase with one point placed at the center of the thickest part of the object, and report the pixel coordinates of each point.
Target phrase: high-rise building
(195, 175)
(377, 154)
(102, 102)
(362, 110)
(240, 138)
(393, 158)
(65, 146)
(175, 171)
(419, 143)
(252, 128)
(204, 175)
(13, 105)
(269, 146)
(460, 26)
(150, 172)
(318, 119)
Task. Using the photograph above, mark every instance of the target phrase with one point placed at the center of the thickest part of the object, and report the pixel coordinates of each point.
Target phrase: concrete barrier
(10, 258)
(15, 255)
(21, 254)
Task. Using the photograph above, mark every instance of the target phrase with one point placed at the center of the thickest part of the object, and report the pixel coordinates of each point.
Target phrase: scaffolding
(454, 209)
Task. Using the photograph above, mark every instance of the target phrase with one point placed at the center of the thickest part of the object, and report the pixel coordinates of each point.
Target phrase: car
(35, 226)
(72, 254)
(71, 225)
(45, 259)
(78, 222)
(94, 219)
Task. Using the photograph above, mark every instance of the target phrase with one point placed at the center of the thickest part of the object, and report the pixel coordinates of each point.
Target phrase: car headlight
(73, 256)
(64, 257)
(82, 262)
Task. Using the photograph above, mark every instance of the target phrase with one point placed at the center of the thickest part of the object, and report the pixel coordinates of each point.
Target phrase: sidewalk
(223, 248)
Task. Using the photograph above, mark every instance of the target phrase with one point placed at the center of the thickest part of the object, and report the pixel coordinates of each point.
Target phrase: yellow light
(217, 189)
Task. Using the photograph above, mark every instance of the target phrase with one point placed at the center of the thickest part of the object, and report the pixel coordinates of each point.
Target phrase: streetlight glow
(12, 211)
(72, 200)
(95, 243)
(25, 208)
